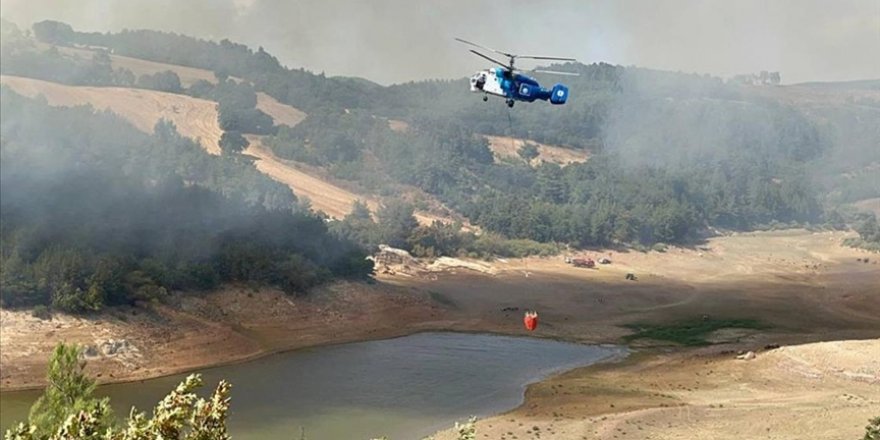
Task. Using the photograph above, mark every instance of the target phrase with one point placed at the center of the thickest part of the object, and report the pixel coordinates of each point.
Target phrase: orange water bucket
(530, 320)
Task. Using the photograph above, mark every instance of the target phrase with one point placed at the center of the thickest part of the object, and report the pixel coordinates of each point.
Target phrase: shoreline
(614, 354)
(677, 394)
(330, 343)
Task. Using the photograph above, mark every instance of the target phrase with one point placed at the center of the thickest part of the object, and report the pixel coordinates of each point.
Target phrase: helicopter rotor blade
(485, 48)
(490, 59)
(531, 57)
(555, 72)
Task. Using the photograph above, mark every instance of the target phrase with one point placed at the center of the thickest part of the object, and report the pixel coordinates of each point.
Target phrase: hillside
(324, 196)
(672, 156)
(197, 119)
(322, 193)
(281, 113)
(194, 118)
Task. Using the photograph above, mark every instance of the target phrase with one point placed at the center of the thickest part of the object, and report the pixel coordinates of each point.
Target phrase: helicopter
(509, 83)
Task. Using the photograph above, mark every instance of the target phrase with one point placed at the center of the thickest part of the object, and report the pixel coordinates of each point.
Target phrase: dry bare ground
(504, 147)
(398, 126)
(194, 118)
(160, 342)
(281, 113)
(825, 390)
(230, 325)
(804, 285)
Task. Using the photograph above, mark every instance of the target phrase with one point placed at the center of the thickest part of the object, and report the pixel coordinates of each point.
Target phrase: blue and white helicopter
(507, 82)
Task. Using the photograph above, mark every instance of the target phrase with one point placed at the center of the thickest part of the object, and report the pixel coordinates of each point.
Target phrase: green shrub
(42, 312)
(487, 245)
(528, 151)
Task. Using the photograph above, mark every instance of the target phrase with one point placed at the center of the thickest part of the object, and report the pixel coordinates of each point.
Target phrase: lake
(405, 388)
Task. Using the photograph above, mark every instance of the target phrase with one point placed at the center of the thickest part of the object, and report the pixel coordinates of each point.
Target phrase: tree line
(394, 224)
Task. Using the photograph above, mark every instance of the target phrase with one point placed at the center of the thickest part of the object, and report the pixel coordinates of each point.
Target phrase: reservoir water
(404, 388)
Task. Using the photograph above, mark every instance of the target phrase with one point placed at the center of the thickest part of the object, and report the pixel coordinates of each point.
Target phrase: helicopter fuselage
(515, 87)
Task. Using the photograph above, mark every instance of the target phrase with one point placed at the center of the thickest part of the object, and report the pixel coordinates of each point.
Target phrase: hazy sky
(400, 40)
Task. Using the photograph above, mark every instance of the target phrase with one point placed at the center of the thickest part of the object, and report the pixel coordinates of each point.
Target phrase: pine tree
(68, 392)
(397, 223)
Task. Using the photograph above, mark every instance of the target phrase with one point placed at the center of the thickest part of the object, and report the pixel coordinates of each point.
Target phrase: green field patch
(690, 333)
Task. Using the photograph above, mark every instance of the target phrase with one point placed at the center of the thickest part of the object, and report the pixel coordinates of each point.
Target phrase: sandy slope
(283, 114)
(324, 196)
(506, 147)
(194, 118)
(398, 126)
